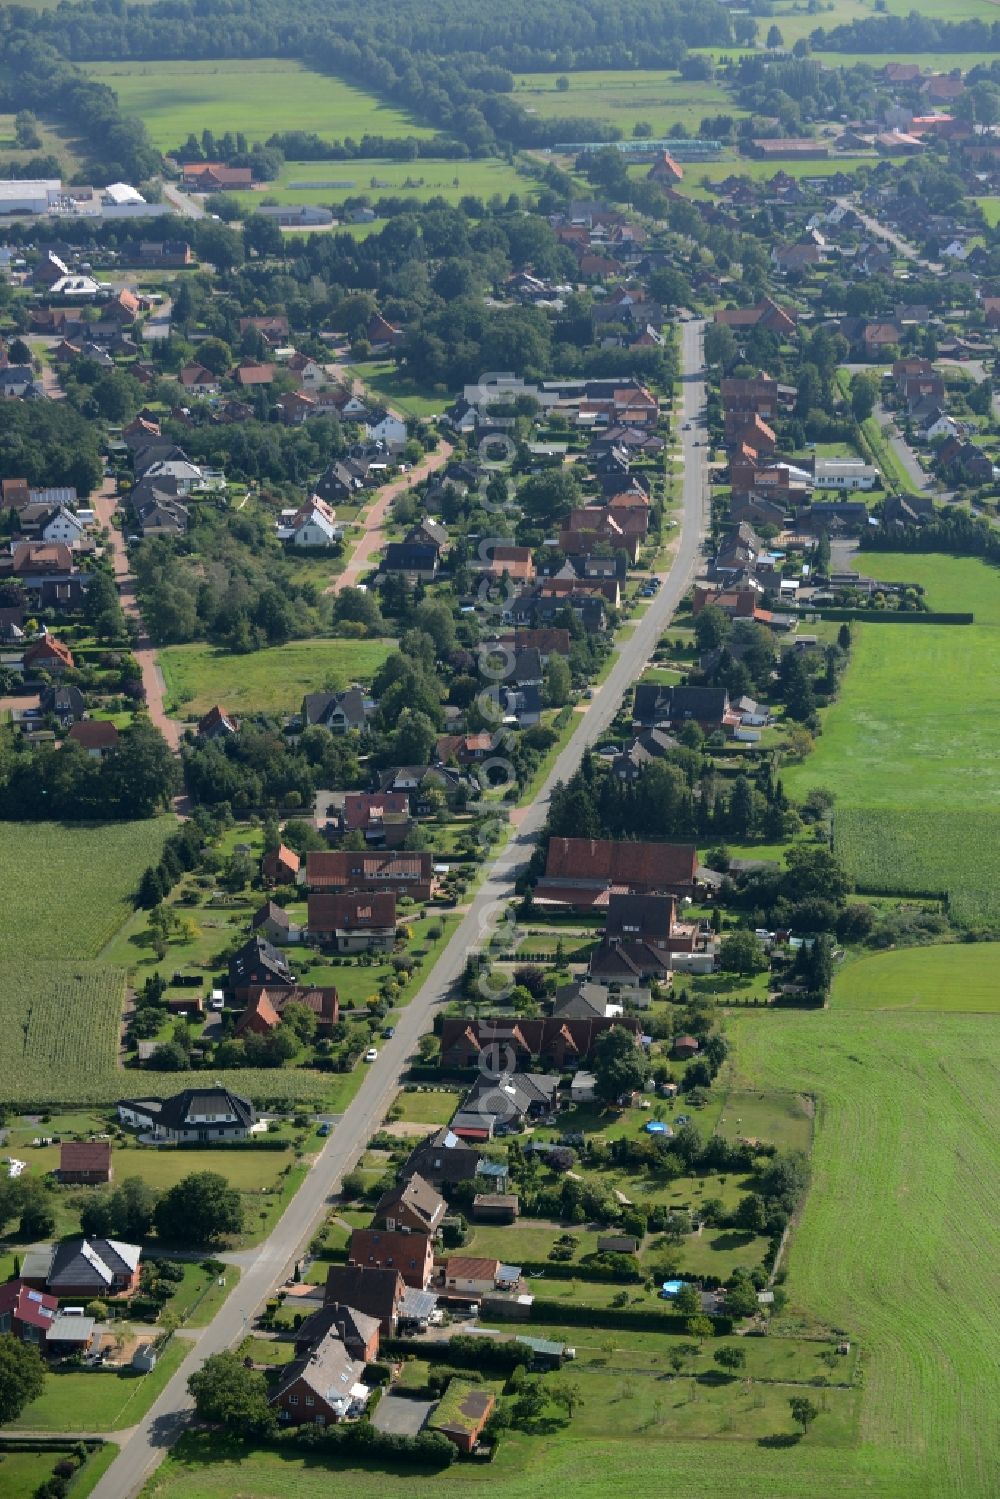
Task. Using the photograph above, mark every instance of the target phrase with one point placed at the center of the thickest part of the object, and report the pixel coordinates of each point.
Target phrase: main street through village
(269, 1265)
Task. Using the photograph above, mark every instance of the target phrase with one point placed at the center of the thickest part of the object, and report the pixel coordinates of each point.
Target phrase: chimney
(342, 1330)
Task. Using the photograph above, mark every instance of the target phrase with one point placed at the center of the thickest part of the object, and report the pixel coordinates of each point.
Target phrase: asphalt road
(145, 1445)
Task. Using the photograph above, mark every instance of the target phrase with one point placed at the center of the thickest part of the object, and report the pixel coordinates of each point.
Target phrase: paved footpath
(105, 504)
(271, 1264)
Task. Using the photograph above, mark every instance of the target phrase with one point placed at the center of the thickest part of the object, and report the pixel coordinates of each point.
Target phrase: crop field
(622, 98)
(59, 1027)
(65, 888)
(273, 680)
(259, 96)
(924, 852)
(373, 178)
(954, 978)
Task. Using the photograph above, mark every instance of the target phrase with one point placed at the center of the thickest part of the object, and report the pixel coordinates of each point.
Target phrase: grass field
(954, 979)
(374, 178)
(100, 1400)
(431, 1107)
(622, 98)
(258, 97)
(385, 379)
(65, 889)
(908, 746)
(991, 210)
(273, 680)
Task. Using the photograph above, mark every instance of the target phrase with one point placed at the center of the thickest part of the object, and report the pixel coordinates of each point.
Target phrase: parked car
(371, 1054)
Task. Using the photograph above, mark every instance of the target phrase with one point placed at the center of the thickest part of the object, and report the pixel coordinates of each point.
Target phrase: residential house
(273, 327)
(213, 176)
(258, 964)
(353, 923)
(557, 1041)
(273, 922)
(337, 711)
(386, 427)
(98, 738)
(201, 1114)
(66, 704)
(414, 560)
(217, 724)
(26, 1314)
(665, 170)
(674, 706)
(48, 654)
(346, 871)
(907, 510)
(443, 1159)
(383, 818)
(280, 866)
(198, 381)
(322, 1388)
(496, 1105)
(765, 314)
(468, 1275)
(358, 1331)
(409, 1253)
(374, 1292)
(89, 1268)
(314, 524)
(413, 1206)
(581, 873)
(264, 1007)
(85, 1163)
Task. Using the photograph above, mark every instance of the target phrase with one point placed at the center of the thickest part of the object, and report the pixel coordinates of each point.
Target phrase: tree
(803, 1411)
(18, 352)
(562, 83)
(22, 1377)
(547, 498)
(699, 1327)
(741, 952)
(711, 628)
(567, 1393)
(557, 681)
(226, 1393)
(775, 38)
(201, 1209)
(687, 1302)
(864, 394)
(619, 1064)
(215, 355)
(730, 1358)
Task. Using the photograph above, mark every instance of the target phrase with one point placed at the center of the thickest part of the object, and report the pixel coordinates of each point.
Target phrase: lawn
(258, 97)
(99, 1400)
(908, 747)
(991, 210)
(658, 98)
(65, 889)
(328, 183)
(953, 979)
(433, 1106)
(383, 377)
(273, 680)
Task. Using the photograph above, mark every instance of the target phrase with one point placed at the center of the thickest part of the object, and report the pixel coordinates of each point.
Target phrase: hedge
(625, 1319)
(580, 1270)
(893, 616)
(462, 1352)
(264, 1143)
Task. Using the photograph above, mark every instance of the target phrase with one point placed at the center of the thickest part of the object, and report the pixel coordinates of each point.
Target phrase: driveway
(371, 540)
(105, 503)
(272, 1261)
(400, 1416)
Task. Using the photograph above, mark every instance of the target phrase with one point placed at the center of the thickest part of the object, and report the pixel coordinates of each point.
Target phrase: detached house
(88, 1268)
(346, 871)
(412, 1205)
(411, 1254)
(582, 873)
(321, 1388)
(353, 923)
(376, 1293)
(85, 1163)
(211, 1113)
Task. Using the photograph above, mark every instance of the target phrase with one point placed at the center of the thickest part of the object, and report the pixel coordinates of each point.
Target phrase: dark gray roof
(175, 1112)
(258, 953)
(91, 1262)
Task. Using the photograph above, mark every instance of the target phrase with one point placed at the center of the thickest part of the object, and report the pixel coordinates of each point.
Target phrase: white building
(314, 524)
(845, 473)
(29, 195)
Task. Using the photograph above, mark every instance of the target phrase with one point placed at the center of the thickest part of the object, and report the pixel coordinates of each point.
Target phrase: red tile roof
(621, 862)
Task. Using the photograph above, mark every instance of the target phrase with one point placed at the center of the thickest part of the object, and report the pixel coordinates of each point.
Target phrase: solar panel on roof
(34, 1295)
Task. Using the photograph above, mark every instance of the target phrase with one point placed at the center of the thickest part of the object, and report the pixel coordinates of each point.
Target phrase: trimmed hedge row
(625, 1319)
(894, 616)
(577, 1270)
(264, 1143)
(462, 1352)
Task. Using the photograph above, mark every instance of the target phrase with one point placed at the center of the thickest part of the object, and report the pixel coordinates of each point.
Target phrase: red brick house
(85, 1162)
(49, 654)
(358, 1331)
(353, 923)
(281, 866)
(413, 1205)
(97, 736)
(377, 1293)
(411, 1254)
(581, 873)
(264, 1007)
(346, 871)
(321, 1388)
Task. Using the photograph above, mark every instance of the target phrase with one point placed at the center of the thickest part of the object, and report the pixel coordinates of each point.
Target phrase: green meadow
(908, 748)
(622, 98)
(273, 680)
(957, 978)
(375, 178)
(257, 96)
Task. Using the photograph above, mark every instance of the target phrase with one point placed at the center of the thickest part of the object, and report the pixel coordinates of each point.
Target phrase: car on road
(687, 427)
(371, 1054)
(389, 1032)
